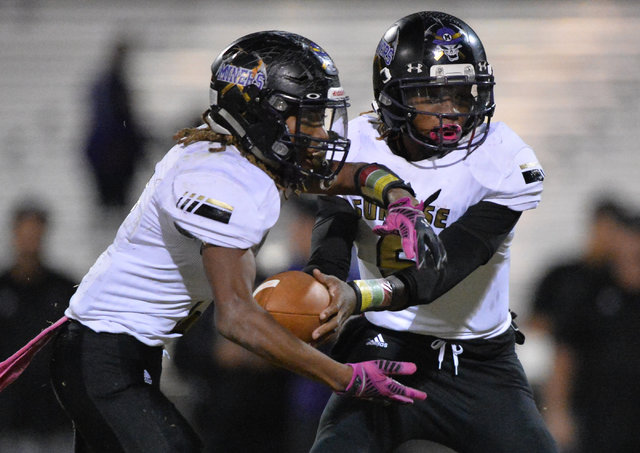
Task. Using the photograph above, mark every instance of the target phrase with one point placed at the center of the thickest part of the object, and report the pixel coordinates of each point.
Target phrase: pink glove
(370, 381)
(417, 235)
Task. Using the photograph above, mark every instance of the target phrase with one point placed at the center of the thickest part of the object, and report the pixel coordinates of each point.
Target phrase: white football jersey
(503, 170)
(151, 278)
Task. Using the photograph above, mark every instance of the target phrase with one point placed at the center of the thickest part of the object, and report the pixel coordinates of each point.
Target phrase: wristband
(372, 295)
(373, 181)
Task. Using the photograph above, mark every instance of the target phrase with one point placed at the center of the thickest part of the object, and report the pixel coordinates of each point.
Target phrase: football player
(275, 112)
(433, 89)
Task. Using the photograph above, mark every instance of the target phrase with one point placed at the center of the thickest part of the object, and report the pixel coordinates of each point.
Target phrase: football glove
(370, 380)
(417, 236)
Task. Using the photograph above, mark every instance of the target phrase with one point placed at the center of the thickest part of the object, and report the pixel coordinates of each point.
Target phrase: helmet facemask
(313, 145)
(402, 101)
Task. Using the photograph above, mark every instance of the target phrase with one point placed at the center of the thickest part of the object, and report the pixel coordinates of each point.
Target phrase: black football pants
(109, 384)
(486, 407)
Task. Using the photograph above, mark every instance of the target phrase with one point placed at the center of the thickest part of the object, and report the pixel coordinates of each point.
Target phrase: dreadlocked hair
(191, 135)
(381, 128)
(276, 178)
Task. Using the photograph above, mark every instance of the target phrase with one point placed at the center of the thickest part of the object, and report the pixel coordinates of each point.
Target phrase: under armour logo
(482, 66)
(417, 68)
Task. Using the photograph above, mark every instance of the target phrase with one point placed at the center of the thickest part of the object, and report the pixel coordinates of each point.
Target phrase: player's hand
(371, 380)
(341, 306)
(408, 221)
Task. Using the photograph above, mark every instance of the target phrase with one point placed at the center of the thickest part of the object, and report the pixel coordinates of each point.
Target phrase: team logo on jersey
(205, 207)
(243, 76)
(531, 172)
(447, 40)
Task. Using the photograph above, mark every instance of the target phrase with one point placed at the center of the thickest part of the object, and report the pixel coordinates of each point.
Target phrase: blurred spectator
(115, 143)
(592, 396)
(31, 295)
(571, 279)
(565, 281)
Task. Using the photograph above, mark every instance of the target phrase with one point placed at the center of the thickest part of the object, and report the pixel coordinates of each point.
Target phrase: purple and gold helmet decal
(255, 74)
(387, 46)
(447, 41)
(327, 63)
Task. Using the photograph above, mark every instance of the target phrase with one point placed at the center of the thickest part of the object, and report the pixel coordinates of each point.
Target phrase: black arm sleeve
(332, 238)
(470, 242)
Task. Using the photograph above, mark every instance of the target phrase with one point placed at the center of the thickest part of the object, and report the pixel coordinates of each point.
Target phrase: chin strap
(215, 127)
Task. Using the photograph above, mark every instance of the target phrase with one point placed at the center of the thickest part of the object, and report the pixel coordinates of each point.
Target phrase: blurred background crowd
(92, 92)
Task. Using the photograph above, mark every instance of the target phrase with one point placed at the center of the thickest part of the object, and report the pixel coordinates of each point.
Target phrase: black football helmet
(264, 78)
(433, 56)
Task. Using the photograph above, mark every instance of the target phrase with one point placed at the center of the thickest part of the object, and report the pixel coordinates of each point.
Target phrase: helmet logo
(415, 67)
(385, 51)
(447, 41)
(242, 76)
(387, 45)
(327, 63)
(336, 93)
(482, 66)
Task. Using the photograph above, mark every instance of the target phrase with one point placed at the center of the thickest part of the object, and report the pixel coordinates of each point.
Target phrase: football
(295, 299)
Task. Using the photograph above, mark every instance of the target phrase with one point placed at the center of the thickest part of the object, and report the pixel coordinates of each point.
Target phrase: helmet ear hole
(251, 93)
(278, 103)
(281, 150)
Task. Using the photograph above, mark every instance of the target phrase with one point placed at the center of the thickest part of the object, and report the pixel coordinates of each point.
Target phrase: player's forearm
(374, 182)
(469, 243)
(251, 327)
(380, 294)
(412, 286)
(240, 319)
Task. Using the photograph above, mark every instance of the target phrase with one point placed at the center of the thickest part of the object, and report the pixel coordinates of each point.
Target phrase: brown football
(294, 299)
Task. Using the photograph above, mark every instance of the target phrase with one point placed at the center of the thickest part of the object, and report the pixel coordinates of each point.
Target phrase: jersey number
(391, 257)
